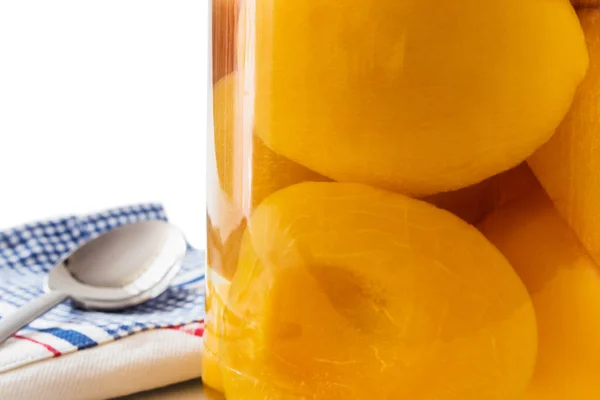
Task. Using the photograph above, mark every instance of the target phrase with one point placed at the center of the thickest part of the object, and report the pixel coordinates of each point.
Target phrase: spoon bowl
(122, 268)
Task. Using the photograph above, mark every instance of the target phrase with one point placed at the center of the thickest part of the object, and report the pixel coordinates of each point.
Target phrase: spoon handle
(12, 323)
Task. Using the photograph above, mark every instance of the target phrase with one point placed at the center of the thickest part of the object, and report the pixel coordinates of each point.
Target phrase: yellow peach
(564, 283)
(418, 97)
(242, 156)
(344, 291)
(568, 165)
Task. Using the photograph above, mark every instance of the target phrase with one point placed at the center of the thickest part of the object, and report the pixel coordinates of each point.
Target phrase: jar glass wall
(399, 200)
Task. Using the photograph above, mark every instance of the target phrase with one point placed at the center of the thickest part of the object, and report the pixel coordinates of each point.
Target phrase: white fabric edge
(141, 362)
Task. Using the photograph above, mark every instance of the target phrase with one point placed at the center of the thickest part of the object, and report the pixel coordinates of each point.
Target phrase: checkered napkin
(27, 254)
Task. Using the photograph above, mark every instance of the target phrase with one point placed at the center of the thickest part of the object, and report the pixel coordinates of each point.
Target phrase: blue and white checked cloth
(27, 253)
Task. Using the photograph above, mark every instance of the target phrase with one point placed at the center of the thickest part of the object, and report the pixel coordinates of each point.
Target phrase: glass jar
(399, 200)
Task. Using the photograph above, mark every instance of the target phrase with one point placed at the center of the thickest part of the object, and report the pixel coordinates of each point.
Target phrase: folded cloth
(27, 253)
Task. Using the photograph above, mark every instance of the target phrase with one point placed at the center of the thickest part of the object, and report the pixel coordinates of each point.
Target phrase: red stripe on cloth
(51, 349)
(193, 329)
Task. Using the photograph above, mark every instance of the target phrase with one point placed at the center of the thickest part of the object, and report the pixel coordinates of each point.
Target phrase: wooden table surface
(192, 390)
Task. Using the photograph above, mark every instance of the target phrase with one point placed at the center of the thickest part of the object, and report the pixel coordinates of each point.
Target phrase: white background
(103, 103)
